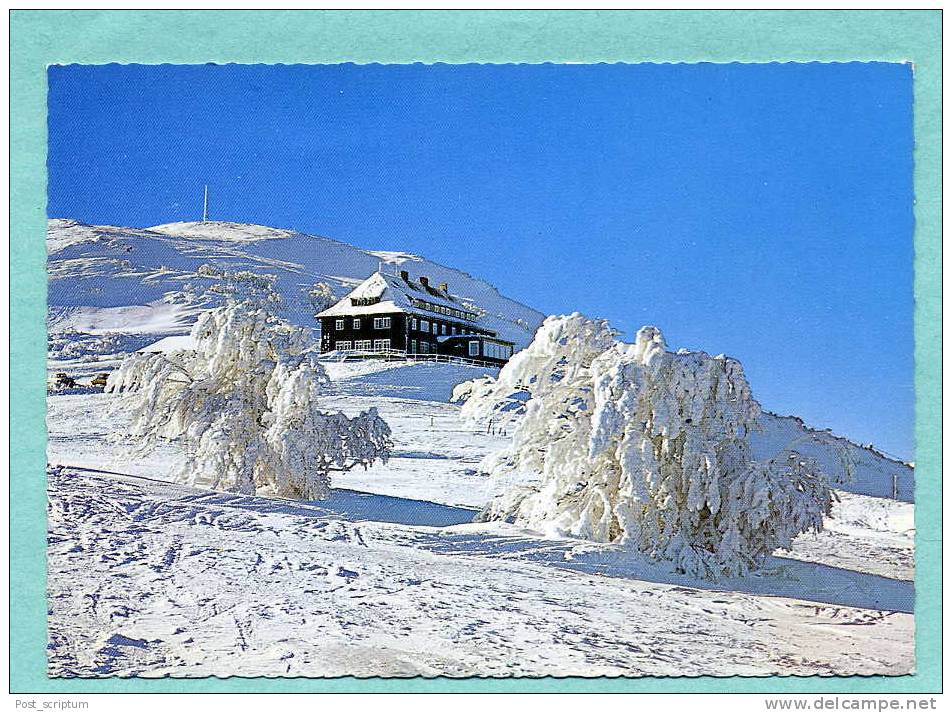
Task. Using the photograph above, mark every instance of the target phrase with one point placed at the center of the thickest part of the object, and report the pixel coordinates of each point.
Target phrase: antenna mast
(205, 208)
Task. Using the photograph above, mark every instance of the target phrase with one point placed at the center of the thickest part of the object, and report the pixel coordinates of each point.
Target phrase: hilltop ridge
(178, 268)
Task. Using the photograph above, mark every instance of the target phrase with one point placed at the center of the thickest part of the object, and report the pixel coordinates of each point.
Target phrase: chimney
(444, 287)
(424, 280)
(404, 275)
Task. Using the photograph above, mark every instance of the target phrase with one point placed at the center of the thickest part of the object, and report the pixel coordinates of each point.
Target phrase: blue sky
(762, 211)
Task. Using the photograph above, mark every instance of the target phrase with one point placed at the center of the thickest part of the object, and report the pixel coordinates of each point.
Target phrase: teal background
(40, 38)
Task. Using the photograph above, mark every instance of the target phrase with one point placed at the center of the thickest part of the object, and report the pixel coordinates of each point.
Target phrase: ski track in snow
(389, 577)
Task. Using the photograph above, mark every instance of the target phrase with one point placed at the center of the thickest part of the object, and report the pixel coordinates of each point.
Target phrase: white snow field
(390, 576)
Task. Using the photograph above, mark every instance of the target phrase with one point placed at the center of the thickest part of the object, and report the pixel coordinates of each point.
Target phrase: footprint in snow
(347, 574)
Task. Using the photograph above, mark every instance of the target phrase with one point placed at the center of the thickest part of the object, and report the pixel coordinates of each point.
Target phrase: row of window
(440, 309)
(497, 351)
(363, 345)
(364, 301)
(423, 347)
(424, 325)
(379, 323)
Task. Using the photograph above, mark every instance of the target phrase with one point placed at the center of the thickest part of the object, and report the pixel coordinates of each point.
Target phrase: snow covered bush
(560, 354)
(245, 403)
(247, 286)
(633, 444)
(463, 391)
(321, 296)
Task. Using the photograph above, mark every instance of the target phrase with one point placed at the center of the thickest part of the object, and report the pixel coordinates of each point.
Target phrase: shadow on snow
(449, 530)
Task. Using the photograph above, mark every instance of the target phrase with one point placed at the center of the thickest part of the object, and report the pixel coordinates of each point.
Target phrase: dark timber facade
(410, 318)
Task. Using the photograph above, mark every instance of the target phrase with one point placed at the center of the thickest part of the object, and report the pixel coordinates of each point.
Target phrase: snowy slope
(105, 278)
(861, 470)
(390, 577)
(152, 579)
(122, 284)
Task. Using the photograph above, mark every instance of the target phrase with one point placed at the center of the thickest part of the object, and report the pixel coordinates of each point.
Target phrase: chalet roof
(393, 294)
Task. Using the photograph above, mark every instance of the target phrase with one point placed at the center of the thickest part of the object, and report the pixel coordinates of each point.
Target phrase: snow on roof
(171, 344)
(391, 293)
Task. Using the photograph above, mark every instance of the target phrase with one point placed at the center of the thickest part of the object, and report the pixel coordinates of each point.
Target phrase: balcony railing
(400, 355)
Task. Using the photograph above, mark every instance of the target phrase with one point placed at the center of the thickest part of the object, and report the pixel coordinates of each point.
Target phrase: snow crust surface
(391, 577)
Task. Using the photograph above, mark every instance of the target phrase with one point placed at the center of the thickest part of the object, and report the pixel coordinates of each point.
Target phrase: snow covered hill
(860, 469)
(114, 289)
(390, 576)
(155, 280)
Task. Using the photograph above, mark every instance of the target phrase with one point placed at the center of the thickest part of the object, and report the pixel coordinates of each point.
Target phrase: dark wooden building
(392, 314)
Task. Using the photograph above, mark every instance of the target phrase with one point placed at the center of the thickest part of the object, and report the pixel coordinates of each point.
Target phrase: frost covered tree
(636, 445)
(244, 401)
(247, 286)
(321, 296)
(556, 363)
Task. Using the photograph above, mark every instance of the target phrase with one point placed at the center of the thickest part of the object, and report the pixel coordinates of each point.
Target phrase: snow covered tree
(244, 401)
(247, 286)
(321, 296)
(633, 444)
(555, 363)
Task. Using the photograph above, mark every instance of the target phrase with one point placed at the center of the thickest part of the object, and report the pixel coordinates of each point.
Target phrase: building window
(443, 327)
(413, 323)
(381, 344)
(363, 301)
(453, 329)
(474, 348)
(436, 328)
(424, 325)
(413, 346)
(381, 323)
(342, 346)
(497, 351)
(339, 325)
(424, 347)
(356, 324)
(362, 344)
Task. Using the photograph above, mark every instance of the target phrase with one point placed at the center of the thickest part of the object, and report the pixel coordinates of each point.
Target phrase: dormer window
(364, 301)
